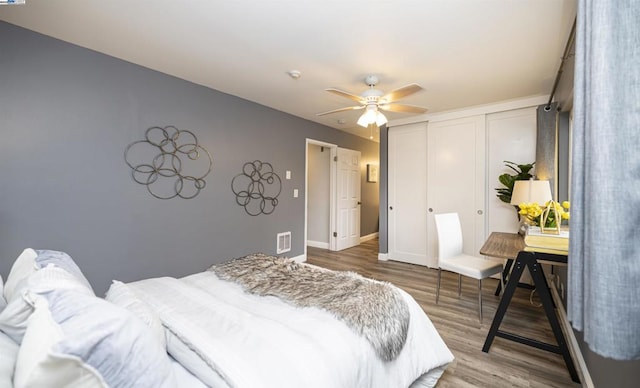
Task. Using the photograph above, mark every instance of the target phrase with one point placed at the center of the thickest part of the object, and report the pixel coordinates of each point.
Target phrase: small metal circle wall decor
(257, 188)
(170, 162)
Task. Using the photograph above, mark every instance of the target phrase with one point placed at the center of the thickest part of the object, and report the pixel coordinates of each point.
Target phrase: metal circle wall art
(169, 162)
(257, 188)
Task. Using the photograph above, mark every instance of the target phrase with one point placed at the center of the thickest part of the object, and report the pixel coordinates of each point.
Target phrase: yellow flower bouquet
(548, 217)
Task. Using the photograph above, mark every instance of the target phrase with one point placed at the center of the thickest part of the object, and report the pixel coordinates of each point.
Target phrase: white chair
(451, 258)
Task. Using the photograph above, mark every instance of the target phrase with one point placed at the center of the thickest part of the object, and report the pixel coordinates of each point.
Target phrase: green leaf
(522, 173)
(525, 168)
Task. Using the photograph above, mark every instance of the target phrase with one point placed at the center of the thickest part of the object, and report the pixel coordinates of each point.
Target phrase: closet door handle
(390, 207)
(430, 210)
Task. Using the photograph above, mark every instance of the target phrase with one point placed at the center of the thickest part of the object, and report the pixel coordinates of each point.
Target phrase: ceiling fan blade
(340, 110)
(345, 94)
(403, 108)
(404, 91)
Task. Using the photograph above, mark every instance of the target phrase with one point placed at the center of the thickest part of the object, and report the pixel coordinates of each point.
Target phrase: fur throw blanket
(373, 309)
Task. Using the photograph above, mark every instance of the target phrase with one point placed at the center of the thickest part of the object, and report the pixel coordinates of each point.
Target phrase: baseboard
(300, 259)
(572, 342)
(383, 256)
(318, 244)
(368, 237)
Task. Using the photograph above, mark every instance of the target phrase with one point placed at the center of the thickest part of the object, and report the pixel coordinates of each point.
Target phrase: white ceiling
(462, 52)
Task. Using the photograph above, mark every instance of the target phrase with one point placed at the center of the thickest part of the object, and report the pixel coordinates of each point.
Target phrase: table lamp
(531, 191)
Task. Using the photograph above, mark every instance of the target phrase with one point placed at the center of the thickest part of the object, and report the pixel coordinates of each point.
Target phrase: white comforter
(227, 337)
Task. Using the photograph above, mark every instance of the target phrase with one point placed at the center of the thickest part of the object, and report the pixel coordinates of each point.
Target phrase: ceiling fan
(373, 100)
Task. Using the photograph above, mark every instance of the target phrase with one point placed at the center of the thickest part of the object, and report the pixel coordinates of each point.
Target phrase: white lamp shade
(368, 117)
(372, 116)
(531, 191)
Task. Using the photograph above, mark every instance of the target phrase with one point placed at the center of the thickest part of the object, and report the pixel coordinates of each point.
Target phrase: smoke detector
(295, 74)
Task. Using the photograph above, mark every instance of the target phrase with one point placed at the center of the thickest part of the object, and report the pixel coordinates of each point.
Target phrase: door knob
(430, 210)
(479, 212)
(359, 203)
(390, 207)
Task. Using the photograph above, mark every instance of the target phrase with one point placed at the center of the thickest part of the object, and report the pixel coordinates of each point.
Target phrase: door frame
(332, 191)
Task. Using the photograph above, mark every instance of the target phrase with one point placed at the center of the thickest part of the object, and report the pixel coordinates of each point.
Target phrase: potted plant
(522, 172)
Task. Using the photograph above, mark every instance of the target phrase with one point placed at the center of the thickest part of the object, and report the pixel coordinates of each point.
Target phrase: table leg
(528, 259)
(509, 290)
(505, 275)
(549, 307)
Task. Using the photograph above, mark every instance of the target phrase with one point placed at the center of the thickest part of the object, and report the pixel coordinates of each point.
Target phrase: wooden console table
(507, 246)
(504, 246)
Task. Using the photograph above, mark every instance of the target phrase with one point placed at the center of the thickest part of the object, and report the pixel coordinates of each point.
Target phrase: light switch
(287, 175)
(295, 193)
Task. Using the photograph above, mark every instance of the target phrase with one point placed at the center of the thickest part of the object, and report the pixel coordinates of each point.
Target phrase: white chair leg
(459, 285)
(438, 286)
(480, 299)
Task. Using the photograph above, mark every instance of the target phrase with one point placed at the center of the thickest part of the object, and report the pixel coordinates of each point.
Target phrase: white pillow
(8, 356)
(121, 295)
(3, 302)
(38, 366)
(92, 334)
(13, 319)
(24, 266)
(31, 261)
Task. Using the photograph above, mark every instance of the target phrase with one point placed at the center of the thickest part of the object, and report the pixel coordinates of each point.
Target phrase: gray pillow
(110, 339)
(61, 260)
(13, 319)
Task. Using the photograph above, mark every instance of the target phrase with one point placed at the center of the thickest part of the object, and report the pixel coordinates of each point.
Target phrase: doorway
(332, 200)
(319, 196)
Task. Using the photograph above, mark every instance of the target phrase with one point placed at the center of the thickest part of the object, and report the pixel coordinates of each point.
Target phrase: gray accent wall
(66, 116)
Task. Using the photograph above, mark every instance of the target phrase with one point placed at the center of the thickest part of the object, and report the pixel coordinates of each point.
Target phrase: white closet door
(407, 190)
(456, 179)
(511, 136)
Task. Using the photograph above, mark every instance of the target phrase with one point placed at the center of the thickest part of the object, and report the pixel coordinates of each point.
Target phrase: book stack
(536, 241)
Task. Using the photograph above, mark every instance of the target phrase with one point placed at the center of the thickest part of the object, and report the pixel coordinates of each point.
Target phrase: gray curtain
(546, 140)
(604, 256)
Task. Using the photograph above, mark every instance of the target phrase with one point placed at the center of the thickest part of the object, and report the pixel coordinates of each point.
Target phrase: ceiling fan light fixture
(372, 116)
(368, 117)
(373, 100)
(363, 121)
(380, 119)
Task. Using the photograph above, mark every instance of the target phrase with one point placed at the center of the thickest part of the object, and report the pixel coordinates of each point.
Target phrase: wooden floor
(508, 364)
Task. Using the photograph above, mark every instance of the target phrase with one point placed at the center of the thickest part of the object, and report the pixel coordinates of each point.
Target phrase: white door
(511, 136)
(348, 187)
(407, 191)
(455, 170)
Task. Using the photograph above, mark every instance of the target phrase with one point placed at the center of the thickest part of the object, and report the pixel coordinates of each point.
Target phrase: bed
(256, 321)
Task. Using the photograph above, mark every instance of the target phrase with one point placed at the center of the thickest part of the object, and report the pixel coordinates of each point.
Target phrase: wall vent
(284, 242)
